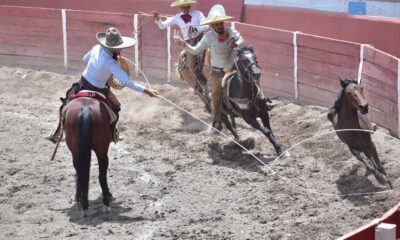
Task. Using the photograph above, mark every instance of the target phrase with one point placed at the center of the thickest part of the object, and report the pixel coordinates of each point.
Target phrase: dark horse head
(86, 129)
(246, 61)
(354, 95)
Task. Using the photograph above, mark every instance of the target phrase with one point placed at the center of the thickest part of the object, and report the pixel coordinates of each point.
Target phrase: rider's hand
(233, 44)
(192, 30)
(156, 15)
(180, 41)
(151, 92)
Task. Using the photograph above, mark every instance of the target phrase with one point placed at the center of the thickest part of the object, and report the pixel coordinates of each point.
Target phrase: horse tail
(85, 139)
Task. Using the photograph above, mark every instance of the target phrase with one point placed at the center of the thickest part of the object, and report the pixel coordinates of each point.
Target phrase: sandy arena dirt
(171, 180)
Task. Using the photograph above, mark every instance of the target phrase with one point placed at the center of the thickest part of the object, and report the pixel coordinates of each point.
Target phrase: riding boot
(56, 135)
(116, 107)
(114, 131)
(268, 102)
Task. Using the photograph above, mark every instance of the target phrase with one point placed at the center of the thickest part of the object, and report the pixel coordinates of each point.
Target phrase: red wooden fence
(29, 33)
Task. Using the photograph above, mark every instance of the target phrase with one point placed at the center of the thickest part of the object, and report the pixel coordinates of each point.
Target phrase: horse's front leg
(107, 196)
(229, 126)
(255, 124)
(265, 116)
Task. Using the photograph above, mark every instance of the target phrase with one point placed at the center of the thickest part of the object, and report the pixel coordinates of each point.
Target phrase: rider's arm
(168, 22)
(87, 57)
(201, 46)
(238, 38)
(116, 70)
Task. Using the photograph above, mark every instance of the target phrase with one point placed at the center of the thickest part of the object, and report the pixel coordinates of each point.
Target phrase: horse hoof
(106, 209)
(84, 213)
(249, 143)
(382, 179)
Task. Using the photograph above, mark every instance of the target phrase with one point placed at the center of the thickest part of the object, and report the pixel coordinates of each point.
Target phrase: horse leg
(233, 122)
(381, 178)
(107, 196)
(255, 124)
(372, 154)
(265, 117)
(228, 125)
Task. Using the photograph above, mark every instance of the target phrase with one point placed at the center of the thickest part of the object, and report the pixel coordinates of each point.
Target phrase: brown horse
(351, 114)
(87, 128)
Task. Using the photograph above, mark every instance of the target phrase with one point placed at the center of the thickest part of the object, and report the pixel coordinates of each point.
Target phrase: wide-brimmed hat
(216, 15)
(181, 3)
(113, 39)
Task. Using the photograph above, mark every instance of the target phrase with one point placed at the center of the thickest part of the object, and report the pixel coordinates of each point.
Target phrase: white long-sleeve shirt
(100, 66)
(220, 51)
(197, 16)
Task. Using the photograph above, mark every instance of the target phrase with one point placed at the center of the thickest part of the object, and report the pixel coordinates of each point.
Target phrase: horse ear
(342, 83)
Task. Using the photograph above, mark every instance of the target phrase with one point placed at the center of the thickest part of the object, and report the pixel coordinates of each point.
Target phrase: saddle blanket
(91, 94)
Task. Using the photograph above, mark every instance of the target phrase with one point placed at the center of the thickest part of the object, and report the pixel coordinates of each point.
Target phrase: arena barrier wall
(301, 67)
(383, 33)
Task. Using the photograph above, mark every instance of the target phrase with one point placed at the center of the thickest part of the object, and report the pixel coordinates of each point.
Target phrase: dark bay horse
(87, 128)
(352, 115)
(241, 96)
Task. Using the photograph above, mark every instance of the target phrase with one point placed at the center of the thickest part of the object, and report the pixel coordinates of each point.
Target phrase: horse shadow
(232, 156)
(356, 188)
(97, 217)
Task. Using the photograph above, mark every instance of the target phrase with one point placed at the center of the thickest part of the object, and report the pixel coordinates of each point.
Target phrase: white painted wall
(373, 8)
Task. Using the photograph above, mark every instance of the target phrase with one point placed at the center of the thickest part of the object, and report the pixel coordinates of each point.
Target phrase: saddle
(91, 94)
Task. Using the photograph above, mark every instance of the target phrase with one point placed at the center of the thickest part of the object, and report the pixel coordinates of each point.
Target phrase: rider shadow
(96, 215)
(354, 187)
(230, 155)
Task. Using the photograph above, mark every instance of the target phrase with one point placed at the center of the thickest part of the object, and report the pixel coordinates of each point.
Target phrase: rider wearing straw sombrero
(188, 20)
(102, 63)
(221, 41)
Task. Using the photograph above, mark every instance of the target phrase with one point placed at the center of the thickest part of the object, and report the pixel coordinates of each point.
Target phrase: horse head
(354, 93)
(247, 64)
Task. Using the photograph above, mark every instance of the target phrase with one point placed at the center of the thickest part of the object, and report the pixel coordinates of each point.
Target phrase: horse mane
(243, 48)
(341, 93)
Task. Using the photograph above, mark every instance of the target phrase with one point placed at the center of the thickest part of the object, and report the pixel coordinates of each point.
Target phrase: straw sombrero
(216, 15)
(128, 67)
(181, 3)
(114, 40)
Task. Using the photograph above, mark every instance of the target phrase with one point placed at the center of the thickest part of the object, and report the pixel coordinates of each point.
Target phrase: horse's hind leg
(107, 196)
(380, 177)
(372, 154)
(255, 124)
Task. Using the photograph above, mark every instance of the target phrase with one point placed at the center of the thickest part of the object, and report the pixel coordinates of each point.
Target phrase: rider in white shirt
(188, 21)
(102, 63)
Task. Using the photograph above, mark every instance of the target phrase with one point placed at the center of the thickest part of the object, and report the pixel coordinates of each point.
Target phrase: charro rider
(221, 41)
(102, 63)
(188, 21)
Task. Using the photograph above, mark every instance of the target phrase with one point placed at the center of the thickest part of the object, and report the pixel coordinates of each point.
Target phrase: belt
(87, 85)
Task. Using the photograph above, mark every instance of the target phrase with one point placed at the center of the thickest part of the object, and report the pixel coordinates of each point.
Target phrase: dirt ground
(171, 180)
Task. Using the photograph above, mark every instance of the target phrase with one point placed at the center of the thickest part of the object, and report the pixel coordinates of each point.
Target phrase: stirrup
(52, 138)
(271, 105)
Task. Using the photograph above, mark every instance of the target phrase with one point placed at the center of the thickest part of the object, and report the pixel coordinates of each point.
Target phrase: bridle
(246, 67)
